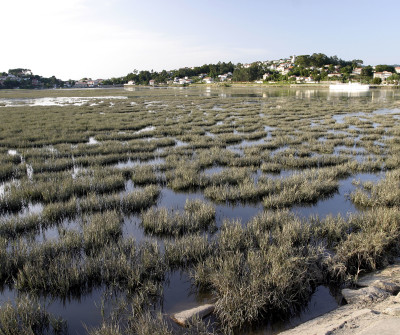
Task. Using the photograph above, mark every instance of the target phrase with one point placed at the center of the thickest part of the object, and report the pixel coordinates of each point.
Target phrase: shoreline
(373, 307)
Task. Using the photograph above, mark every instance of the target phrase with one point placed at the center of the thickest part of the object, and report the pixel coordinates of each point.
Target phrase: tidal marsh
(214, 182)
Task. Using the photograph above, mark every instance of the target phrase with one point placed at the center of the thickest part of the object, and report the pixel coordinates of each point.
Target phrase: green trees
(19, 72)
(381, 68)
(320, 60)
(254, 72)
(367, 71)
(377, 81)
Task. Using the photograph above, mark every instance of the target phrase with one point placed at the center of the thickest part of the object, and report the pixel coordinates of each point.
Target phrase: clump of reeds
(371, 244)
(304, 192)
(383, 193)
(101, 229)
(187, 250)
(260, 267)
(27, 316)
(197, 216)
(144, 175)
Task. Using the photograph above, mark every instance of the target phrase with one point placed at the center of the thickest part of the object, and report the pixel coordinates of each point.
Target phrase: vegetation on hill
(303, 68)
(23, 78)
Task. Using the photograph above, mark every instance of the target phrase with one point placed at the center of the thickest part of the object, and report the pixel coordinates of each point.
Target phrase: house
(382, 75)
(208, 80)
(184, 81)
(357, 71)
(397, 68)
(265, 76)
(335, 74)
(152, 82)
(81, 84)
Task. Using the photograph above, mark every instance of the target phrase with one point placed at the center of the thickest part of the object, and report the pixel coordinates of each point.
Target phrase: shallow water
(180, 294)
(53, 101)
(339, 203)
(322, 301)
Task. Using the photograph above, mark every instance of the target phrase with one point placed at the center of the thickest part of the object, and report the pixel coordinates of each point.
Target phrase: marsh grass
(372, 243)
(270, 264)
(28, 317)
(383, 193)
(257, 268)
(101, 229)
(197, 216)
(143, 175)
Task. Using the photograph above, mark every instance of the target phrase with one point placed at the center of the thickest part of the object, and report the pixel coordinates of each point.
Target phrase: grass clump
(300, 193)
(144, 175)
(383, 193)
(101, 229)
(197, 216)
(372, 243)
(268, 265)
(28, 317)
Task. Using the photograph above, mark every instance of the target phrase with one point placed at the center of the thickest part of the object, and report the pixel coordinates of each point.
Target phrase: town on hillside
(303, 69)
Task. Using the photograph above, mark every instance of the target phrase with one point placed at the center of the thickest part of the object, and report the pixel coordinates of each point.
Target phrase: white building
(333, 75)
(383, 75)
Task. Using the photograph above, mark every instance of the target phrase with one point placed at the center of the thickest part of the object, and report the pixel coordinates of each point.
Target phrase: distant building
(397, 68)
(208, 80)
(357, 71)
(184, 81)
(152, 82)
(333, 75)
(383, 75)
(81, 84)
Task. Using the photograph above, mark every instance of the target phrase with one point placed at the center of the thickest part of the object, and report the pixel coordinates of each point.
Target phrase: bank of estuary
(120, 209)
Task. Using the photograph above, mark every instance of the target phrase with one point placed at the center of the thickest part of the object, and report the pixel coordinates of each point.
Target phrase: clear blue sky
(106, 38)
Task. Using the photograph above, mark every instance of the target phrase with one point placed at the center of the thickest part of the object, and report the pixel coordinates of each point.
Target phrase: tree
(303, 61)
(356, 63)
(346, 70)
(381, 68)
(394, 78)
(367, 71)
(377, 81)
(18, 71)
(319, 59)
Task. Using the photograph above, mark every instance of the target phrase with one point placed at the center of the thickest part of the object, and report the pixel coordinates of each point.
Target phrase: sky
(73, 39)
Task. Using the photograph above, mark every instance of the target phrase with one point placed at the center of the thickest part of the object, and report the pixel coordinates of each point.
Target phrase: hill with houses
(315, 68)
